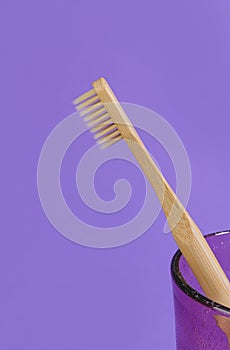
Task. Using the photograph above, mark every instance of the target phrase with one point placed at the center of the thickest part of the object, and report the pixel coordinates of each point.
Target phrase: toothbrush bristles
(85, 96)
(97, 119)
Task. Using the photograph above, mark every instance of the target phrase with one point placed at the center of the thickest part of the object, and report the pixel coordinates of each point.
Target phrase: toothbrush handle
(187, 235)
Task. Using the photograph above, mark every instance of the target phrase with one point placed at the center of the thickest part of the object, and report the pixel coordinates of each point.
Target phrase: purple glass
(195, 315)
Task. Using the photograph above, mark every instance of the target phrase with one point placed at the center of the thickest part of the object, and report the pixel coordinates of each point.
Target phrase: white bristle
(105, 131)
(109, 137)
(95, 114)
(83, 97)
(111, 142)
(101, 126)
(87, 103)
(90, 109)
(98, 120)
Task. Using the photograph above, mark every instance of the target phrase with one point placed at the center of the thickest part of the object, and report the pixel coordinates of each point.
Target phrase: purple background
(170, 56)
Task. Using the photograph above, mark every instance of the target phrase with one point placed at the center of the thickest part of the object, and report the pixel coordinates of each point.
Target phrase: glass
(196, 316)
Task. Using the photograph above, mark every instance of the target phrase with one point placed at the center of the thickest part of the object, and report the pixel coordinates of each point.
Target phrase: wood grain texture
(186, 233)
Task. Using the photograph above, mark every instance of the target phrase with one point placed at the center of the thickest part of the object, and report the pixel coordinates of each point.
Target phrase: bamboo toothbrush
(109, 122)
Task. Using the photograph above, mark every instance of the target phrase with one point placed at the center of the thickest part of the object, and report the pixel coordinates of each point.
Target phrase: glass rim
(187, 289)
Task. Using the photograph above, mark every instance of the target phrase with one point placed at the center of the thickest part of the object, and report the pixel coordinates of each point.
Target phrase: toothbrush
(109, 123)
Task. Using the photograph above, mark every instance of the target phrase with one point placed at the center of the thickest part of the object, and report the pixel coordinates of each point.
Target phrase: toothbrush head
(104, 115)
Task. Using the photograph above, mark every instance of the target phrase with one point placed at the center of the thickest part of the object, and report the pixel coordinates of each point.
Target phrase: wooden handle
(187, 235)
